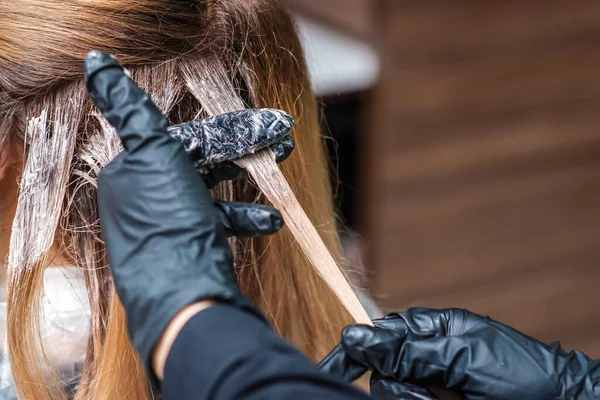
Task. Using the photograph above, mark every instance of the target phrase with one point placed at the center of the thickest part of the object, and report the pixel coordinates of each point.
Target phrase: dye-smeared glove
(165, 238)
(475, 355)
(213, 143)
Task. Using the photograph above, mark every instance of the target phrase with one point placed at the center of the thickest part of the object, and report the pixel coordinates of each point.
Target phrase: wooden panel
(482, 186)
(352, 16)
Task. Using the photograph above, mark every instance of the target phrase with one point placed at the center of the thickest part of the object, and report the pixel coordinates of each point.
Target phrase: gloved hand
(338, 364)
(383, 388)
(165, 239)
(477, 356)
(212, 143)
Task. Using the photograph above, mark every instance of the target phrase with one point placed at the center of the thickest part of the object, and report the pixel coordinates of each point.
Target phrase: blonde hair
(168, 46)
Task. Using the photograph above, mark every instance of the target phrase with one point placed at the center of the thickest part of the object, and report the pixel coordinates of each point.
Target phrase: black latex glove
(338, 364)
(479, 357)
(212, 143)
(383, 388)
(166, 245)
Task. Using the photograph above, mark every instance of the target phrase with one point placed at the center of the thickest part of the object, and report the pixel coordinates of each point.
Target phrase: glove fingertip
(94, 62)
(248, 220)
(265, 220)
(367, 344)
(276, 220)
(339, 365)
(283, 149)
(357, 335)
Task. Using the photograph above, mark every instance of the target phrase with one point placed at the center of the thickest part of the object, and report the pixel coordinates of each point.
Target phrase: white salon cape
(65, 328)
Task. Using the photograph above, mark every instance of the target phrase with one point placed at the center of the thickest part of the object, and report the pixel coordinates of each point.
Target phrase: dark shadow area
(343, 124)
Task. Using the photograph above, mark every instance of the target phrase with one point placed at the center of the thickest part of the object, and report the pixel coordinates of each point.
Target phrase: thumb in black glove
(479, 357)
(165, 239)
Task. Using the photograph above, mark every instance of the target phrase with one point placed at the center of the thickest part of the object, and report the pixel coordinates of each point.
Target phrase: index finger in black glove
(362, 349)
(164, 241)
(248, 220)
(429, 323)
(339, 365)
(128, 108)
(381, 348)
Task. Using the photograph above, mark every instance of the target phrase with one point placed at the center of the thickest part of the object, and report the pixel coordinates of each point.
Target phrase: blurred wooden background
(481, 186)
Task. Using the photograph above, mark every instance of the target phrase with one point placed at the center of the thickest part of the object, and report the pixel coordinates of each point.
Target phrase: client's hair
(171, 48)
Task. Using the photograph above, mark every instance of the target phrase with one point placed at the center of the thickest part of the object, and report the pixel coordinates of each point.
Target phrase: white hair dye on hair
(50, 145)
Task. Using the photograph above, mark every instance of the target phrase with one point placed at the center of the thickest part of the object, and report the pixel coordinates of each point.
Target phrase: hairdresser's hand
(338, 364)
(476, 356)
(383, 388)
(165, 239)
(213, 143)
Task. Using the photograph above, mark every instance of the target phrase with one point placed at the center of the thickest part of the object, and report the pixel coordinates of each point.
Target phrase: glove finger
(339, 365)
(440, 362)
(125, 105)
(230, 136)
(283, 148)
(248, 220)
(392, 354)
(423, 323)
(376, 348)
(110, 175)
(445, 322)
(384, 388)
(227, 171)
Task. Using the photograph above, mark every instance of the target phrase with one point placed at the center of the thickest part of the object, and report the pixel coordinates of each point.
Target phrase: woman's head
(194, 58)
(43, 42)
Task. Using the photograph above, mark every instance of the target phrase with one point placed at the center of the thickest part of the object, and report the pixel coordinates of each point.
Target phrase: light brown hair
(168, 46)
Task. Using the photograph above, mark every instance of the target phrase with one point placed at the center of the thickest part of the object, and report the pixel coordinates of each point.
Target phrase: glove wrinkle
(339, 365)
(249, 221)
